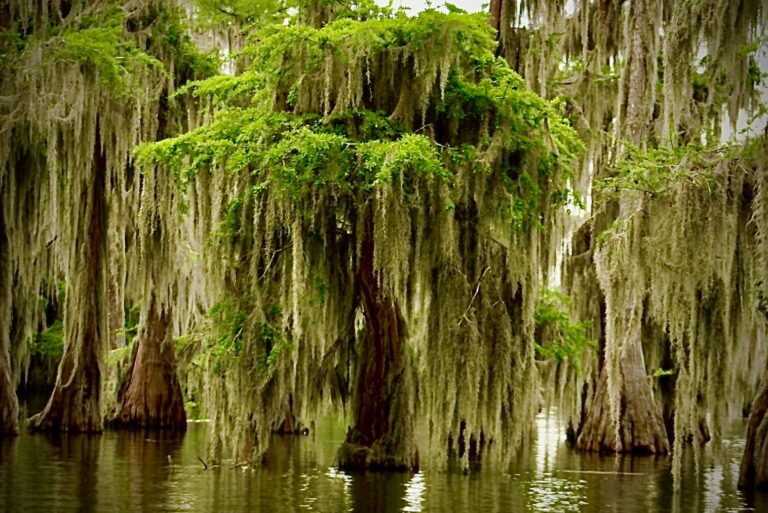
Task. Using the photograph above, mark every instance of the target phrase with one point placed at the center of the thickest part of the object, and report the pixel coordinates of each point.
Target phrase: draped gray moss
(82, 90)
(687, 259)
(363, 218)
(634, 72)
(349, 172)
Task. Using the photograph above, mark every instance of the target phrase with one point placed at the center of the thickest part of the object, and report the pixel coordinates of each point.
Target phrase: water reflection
(551, 494)
(133, 472)
(414, 493)
(549, 435)
(377, 492)
(339, 475)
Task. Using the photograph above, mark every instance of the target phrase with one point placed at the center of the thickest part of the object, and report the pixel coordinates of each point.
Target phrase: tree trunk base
(150, 397)
(381, 455)
(290, 426)
(74, 403)
(702, 436)
(382, 436)
(754, 463)
(9, 406)
(641, 428)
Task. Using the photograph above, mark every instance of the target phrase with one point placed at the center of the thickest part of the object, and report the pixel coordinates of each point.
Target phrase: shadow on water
(126, 471)
(377, 492)
(136, 471)
(151, 459)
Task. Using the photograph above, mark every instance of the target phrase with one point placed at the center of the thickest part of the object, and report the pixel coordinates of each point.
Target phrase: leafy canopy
(313, 110)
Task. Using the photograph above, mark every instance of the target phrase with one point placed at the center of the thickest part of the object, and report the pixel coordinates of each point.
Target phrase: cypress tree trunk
(640, 426)
(754, 463)
(290, 425)
(75, 403)
(150, 396)
(382, 437)
(116, 313)
(9, 407)
(636, 424)
(494, 18)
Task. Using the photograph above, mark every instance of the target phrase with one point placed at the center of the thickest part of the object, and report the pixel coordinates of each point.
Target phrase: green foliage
(50, 342)
(385, 161)
(558, 338)
(357, 148)
(274, 343)
(131, 328)
(297, 155)
(303, 49)
(100, 43)
(255, 13)
(11, 44)
(227, 340)
(170, 30)
(121, 48)
(657, 171)
(193, 410)
(659, 373)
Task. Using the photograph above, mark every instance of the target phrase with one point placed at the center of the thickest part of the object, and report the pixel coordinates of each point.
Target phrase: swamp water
(136, 472)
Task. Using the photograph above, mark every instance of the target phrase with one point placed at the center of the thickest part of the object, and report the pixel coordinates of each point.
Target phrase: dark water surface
(120, 471)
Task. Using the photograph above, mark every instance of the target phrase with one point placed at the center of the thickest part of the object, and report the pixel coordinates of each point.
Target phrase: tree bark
(640, 426)
(9, 405)
(116, 311)
(382, 437)
(639, 74)
(75, 403)
(510, 40)
(495, 17)
(318, 13)
(754, 463)
(289, 424)
(150, 396)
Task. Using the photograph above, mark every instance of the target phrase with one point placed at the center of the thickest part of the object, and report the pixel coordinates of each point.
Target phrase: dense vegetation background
(449, 219)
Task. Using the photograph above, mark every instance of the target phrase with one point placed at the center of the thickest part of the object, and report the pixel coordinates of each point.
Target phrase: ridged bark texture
(150, 396)
(754, 463)
(74, 405)
(640, 426)
(9, 406)
(382, 437)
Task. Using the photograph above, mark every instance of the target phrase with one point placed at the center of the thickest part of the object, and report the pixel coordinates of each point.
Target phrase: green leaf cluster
(227, 340)
(558, 337)
(656, 171)
(49, 343)
(660, 373)
(218, 13)
(260, 128)
(101, 44)
(297, 154)
(132, 317)
(104, 39)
